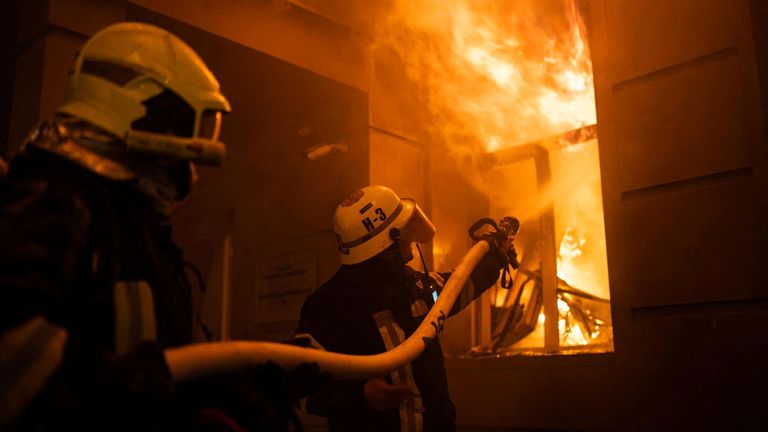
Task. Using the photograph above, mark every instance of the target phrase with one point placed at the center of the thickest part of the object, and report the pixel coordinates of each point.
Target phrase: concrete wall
(8, 24)
(47, 38)
(684, 151)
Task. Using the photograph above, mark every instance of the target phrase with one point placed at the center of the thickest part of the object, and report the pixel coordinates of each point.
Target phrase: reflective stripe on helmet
(365, 219)
(387, 222)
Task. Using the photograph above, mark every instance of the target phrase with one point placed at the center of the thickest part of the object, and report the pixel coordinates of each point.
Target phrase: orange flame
(503, 72)
(495, 74)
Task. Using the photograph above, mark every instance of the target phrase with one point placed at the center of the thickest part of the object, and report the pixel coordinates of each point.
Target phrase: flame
(496, 74)
(569, 252)
(503, 72)
(569, 334)
(499, 296)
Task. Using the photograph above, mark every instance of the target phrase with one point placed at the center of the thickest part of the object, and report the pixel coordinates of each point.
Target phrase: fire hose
(215, 358)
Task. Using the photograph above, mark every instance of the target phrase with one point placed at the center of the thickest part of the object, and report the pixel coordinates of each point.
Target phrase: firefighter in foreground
(92, 286)
(373, 303)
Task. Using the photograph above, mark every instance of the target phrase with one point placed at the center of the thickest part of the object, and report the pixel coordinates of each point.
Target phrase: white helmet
(371, 219)
(118, 83)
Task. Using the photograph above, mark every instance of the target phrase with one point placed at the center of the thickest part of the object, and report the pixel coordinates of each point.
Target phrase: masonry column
(49, 34)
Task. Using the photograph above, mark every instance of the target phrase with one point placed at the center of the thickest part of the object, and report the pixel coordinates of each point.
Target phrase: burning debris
(583, 319)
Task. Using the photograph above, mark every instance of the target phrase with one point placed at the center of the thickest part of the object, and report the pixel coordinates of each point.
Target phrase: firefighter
(92, 286)
(372, 304)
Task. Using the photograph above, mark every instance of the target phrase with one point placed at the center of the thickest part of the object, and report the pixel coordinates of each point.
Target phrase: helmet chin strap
(394, 234)
(423, 263)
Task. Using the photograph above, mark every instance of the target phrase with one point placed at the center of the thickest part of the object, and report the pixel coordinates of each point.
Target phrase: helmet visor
(419, 228)
(210, 125)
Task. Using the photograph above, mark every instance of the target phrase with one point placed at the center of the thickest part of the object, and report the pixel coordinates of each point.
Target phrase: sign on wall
(283, 284)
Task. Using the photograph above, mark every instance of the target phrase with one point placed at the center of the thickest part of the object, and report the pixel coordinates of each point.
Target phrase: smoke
(496, 74)
(501, 72)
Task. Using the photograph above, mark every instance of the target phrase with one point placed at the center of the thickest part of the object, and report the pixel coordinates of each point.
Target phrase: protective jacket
(87, 254)
(369, 308)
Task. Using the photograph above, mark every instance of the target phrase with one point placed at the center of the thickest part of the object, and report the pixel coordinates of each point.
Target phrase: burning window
(563, 259)
(509, 92)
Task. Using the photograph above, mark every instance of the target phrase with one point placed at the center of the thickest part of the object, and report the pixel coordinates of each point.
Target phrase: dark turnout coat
(88, 256)
(369, 308)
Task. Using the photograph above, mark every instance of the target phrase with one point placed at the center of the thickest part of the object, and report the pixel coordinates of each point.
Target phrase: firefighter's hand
(383, 396)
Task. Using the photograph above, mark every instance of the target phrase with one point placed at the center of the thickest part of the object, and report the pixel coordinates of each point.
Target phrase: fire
(569, 335)
(504, 72)
(570, 250)
(497, 74)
